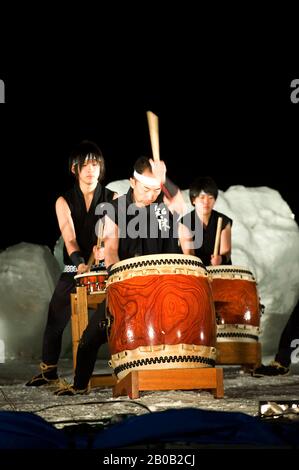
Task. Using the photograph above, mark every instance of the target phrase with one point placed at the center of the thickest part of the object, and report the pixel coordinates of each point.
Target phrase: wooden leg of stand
(79, 308)
(82, 308)
(127, 386)
(79, 317)
(218, 392)
(75, 328)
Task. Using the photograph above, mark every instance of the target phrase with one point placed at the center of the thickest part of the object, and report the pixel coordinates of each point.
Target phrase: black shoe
(70, 390)
(48, 376)
(274, 369)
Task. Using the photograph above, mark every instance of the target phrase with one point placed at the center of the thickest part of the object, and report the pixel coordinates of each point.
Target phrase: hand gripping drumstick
(217, 239)
(153, 126)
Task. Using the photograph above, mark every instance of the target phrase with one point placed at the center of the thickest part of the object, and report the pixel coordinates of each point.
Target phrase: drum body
(236, 303)
(162, 314)
(94, 281)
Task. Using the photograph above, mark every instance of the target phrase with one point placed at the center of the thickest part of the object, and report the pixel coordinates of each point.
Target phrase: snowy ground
(242, 393)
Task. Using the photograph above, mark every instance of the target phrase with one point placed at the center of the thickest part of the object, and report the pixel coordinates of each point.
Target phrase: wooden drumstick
(99, 241)
(217, 239)
(100, 237)
(90, 261)
(153, 125)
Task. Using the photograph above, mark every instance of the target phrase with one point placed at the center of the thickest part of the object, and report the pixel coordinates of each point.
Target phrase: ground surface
(242, 393)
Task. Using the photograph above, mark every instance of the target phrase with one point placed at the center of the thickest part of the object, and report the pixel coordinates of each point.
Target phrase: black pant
(93, 337)
(290, 332)
(59, 315)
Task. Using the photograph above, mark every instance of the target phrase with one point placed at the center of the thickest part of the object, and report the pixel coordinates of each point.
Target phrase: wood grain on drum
(163, 309)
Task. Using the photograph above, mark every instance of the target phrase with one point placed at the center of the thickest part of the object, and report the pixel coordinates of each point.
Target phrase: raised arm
(173, 197)
(111, 242)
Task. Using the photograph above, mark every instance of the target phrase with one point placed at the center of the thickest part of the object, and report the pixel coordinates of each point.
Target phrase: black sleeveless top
(144, 230)
(85, 221)
(205, 251)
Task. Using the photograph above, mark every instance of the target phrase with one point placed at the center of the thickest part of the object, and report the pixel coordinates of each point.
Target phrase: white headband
(146, 180)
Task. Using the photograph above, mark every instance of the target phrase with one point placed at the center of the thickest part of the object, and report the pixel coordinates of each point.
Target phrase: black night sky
(238, 128)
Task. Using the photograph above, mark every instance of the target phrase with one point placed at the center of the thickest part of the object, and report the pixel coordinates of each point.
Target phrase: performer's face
(90, 172)
(204, 202)
(144, 195)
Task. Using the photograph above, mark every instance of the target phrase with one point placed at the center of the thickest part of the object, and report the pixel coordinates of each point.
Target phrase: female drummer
(76, 217)
(203, 193)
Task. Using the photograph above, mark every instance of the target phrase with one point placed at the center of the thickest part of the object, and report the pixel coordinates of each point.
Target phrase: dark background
(239, 127)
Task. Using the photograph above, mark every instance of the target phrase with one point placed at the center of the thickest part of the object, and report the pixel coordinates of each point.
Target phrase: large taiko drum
(94, 281)
(237, 304)
(162, 314)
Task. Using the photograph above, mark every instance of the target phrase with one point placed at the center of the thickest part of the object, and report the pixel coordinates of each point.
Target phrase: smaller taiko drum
(161, 314)
(94, 281)
(236, 302)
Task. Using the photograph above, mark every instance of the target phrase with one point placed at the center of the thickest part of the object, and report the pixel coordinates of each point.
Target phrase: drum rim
(91, 273)
(230, 268)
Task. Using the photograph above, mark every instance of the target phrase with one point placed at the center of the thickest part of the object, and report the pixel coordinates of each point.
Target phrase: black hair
(86, 150)
(141, 164)
(203, 183)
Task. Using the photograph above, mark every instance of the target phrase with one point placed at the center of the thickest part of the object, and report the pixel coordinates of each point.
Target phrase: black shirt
(205, 251)
(144, 230)
(85, 221)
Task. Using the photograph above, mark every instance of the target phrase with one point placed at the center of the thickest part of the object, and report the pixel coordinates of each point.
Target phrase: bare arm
(226, 241)
(186, 241)
(67, 229)
(98, 251)
(111, 242)
(225, 246)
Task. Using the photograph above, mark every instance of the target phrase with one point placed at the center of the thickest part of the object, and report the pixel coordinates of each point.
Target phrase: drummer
(142, 223)
(76, 217)
(203, 193)
(139, 223)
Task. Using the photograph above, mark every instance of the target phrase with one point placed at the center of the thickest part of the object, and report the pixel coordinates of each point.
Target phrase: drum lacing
(159, 262)
(237, 335)
(166, 359)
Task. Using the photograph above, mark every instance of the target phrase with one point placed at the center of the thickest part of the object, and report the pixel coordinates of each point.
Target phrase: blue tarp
(20, 430)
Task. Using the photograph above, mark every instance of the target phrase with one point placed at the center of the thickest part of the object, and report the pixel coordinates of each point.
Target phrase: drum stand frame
(203, 378)
(80, 302)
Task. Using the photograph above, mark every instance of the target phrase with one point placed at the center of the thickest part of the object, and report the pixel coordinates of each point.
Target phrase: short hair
(87, 150)
(142, 164)
(203, 183)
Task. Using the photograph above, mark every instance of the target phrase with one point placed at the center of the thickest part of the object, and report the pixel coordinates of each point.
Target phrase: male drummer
(141, 223)
(138, 223)
(203, 193)
(76, 217)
